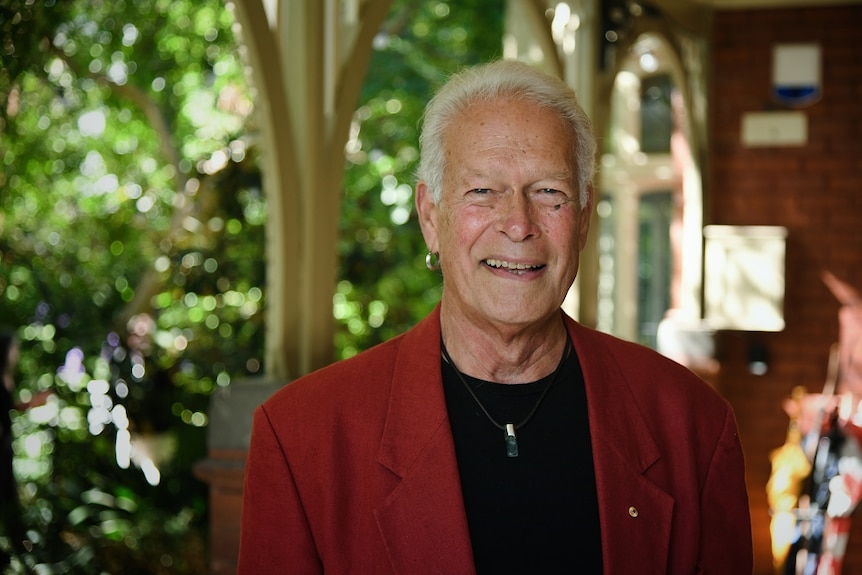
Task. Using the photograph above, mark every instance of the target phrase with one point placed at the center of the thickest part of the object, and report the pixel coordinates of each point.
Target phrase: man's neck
(504, 353)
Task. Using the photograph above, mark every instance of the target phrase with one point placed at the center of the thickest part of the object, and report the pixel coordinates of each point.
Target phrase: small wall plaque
(744, 277)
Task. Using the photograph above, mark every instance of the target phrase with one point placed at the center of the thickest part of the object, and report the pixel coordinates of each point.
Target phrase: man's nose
(518, 217)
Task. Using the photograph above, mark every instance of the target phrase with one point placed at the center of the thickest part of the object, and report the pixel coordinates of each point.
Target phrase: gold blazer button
(633, 511)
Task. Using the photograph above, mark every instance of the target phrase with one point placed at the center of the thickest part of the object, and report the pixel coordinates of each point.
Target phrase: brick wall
(814, 190)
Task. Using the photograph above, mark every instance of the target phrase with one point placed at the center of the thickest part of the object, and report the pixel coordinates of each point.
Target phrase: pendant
(511, 441)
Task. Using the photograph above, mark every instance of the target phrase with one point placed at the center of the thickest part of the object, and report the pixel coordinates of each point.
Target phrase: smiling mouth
(517, 269)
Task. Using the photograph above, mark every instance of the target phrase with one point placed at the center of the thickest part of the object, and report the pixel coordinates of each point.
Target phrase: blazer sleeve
(726, 542)
(275, 536)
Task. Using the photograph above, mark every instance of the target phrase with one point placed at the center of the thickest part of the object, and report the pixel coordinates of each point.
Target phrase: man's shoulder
(365, 370)
(354, 392)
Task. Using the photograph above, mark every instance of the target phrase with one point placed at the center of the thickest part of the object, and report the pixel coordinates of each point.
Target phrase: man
(498, 435)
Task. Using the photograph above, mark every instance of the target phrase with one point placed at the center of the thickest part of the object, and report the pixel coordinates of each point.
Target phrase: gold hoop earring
(432, 261)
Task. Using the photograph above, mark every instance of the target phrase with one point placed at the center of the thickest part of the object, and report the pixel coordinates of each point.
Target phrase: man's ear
(428, 213)
(584, 218)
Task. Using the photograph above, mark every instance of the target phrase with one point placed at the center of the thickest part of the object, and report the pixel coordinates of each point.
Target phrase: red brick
(814, 190)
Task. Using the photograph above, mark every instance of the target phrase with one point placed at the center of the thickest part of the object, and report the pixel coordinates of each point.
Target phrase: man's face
(509, 227)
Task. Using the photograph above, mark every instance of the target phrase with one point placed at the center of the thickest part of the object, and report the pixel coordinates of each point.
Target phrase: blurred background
(202, 200)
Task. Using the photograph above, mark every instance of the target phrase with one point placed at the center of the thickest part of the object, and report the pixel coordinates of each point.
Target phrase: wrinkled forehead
(511, 126)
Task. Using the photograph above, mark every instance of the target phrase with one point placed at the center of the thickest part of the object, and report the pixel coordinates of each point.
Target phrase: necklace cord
(566, 351)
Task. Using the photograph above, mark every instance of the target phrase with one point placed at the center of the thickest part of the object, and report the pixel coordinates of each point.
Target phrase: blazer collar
(425, 513)
(612, 407)
(632, 508)
(417, 406)
(423, 521)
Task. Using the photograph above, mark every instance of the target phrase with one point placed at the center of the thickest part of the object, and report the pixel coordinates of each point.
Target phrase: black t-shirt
(537, 512)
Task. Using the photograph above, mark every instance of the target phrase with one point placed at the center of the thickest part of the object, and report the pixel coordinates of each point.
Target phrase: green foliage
(384, 287)
(131, 223)
(131, 226)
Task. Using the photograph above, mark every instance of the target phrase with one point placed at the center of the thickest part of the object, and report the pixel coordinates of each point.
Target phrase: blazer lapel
(423, 522)
(634, 513)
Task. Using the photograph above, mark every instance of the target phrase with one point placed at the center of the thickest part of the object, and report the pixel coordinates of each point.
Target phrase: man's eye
(481, 196)
(550, 198)
(550, 195)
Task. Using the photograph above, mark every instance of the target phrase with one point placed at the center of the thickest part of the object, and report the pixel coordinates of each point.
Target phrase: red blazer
(352, 469)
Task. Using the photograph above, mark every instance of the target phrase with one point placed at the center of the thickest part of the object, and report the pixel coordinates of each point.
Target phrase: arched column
(308, 62)
(682, 49)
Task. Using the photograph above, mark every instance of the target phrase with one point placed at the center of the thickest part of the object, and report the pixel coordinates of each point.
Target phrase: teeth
(510, 266)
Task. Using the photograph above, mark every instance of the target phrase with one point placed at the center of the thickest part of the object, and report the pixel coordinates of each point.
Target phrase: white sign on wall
(744, 277)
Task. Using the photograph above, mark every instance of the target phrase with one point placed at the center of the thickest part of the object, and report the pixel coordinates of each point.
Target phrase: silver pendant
(511, 441)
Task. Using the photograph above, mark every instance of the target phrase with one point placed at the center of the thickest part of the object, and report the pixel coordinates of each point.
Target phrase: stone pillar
(228, 436)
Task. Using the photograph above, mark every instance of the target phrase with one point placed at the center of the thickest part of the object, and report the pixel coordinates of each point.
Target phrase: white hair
(506, 79)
